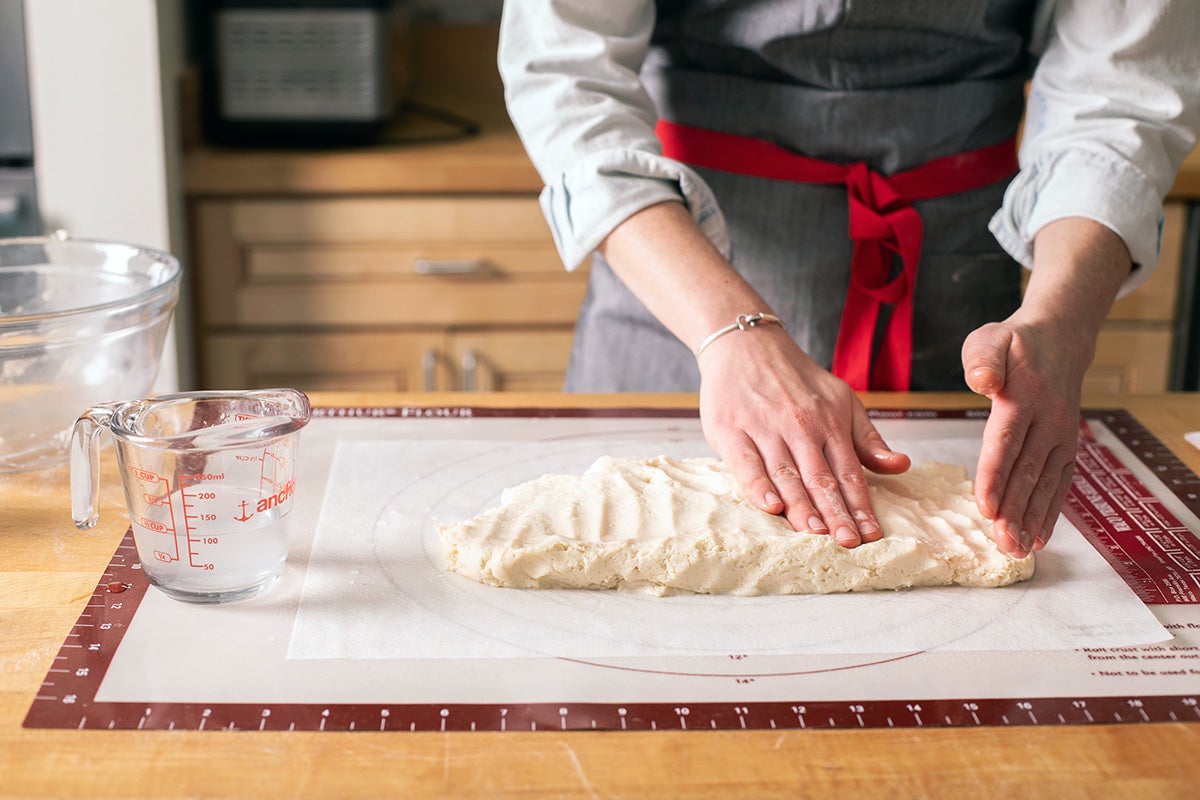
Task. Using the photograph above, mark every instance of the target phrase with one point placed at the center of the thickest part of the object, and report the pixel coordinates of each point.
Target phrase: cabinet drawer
(413, 261)
(391, 261)
(416, 303)
(390, 219)
(1129, 361)
(377, 361)
(531, 360)
(519, 359)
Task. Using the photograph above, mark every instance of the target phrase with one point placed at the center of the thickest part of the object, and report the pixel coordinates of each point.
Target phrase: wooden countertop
(454, 71)
(494, 161)
(491, 162)
(48, 569)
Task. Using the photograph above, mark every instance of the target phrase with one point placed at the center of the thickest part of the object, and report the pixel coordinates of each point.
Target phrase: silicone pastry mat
(136, 659)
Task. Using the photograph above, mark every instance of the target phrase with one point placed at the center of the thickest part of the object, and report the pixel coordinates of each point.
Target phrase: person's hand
(795, 437)
(1033, 373)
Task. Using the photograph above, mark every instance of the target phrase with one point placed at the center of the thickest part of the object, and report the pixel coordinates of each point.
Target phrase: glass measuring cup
(209, 478)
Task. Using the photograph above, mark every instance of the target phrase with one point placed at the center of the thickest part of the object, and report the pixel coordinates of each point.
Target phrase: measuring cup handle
(85, 465)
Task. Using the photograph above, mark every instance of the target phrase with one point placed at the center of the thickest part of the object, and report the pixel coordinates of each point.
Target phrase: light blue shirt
(1113, 109)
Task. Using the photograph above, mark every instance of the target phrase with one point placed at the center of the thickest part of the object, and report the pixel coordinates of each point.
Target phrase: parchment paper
(375, 588)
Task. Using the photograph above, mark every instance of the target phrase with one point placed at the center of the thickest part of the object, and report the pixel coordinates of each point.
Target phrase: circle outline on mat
(498, 471)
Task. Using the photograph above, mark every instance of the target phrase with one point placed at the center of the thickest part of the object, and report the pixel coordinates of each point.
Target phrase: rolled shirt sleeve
(1113, 110)
(571, 84)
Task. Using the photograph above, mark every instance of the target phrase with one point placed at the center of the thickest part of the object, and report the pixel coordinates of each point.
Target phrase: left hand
(1033, 373)
(1031, 365)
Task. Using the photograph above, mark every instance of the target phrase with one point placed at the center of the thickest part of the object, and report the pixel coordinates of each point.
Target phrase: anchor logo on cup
(209, 478)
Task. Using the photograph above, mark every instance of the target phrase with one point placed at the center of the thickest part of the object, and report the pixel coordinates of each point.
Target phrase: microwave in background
(18, 191)
(280, 73)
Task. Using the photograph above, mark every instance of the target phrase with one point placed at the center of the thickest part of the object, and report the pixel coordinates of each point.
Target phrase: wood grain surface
(48, 569)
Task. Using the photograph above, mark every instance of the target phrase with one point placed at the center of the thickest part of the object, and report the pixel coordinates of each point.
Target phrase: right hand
(795, 436)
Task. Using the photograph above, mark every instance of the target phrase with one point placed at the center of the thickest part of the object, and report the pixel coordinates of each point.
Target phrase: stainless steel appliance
(18, 189)
(304, 71)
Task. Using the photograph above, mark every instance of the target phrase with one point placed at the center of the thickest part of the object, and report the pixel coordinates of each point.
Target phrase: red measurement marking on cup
(1148, 545)
(156, 491)
(273, 479)
(192, 496)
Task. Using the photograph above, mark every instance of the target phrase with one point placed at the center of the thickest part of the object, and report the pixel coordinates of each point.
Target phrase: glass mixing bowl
(81, 322)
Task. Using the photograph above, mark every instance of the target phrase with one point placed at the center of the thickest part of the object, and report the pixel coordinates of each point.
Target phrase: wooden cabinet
(1134, 350)
(420, 263)
(442, 292)
(422, 292)
(428, 265)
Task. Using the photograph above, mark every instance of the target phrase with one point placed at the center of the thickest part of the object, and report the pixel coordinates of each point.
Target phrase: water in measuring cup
(224, 559)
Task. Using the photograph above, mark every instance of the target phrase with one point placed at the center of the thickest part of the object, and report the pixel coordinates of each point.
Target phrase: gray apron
(894, 83)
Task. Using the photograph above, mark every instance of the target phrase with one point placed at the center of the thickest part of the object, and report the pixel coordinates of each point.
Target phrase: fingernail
(993, 502)
(771, 499)
(817, 525)
(867, 525)
(1016, 548)
(846, 536)
(984, 378)
(1021, 539)
(1014, 538)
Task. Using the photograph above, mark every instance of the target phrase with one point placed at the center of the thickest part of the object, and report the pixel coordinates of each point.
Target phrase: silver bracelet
(742, 322)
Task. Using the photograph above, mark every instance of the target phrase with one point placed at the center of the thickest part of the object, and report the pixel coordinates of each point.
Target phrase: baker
(784, 203)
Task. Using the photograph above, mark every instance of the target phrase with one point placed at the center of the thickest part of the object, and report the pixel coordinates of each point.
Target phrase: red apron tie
(883, 226)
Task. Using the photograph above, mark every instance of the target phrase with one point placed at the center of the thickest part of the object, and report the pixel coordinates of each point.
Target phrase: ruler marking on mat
(80, 665)
(1152, 550)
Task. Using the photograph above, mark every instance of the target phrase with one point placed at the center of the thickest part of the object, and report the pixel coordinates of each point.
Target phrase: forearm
(1113, 109)
(574, 93)
(671, 266)
(795, 436)
(1079, 265)
(1032, 366)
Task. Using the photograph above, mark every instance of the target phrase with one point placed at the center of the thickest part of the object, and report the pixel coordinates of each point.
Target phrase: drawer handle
(429, 365)
(469, 366)
(10, 206)
(449, 266)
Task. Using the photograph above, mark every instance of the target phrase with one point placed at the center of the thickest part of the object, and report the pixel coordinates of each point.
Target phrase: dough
(664, 525)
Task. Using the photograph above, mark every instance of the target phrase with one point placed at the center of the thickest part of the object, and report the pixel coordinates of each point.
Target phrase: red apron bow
(883, 225)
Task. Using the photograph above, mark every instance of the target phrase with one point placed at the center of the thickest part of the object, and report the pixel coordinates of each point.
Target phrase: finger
(853, 484)
(872, 451)
(797, 505)
(985, 359)
(1034, 516)
(825, 490)
(746, 464)
(1060, 497)
(1007, 544)
(1044, 493)
(1004, 438)
(1027, 474)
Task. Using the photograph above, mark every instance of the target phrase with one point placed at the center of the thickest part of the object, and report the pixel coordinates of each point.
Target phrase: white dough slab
(375, 587)
(665, 525)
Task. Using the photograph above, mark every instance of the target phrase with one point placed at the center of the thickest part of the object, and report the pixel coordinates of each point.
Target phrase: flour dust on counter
(665, 525)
